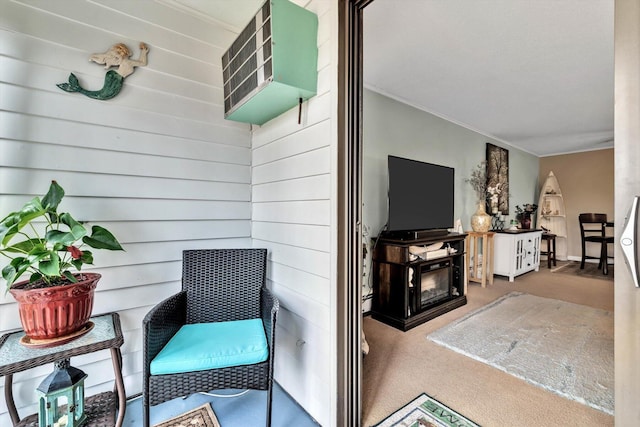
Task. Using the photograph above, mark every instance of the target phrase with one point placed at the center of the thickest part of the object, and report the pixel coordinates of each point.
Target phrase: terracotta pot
(57, 311)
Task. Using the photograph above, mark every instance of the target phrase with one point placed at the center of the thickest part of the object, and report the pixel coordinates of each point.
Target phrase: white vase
(480, 221)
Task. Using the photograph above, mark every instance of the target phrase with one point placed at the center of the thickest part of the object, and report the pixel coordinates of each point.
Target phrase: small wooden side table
(474, 240)
(100, 408)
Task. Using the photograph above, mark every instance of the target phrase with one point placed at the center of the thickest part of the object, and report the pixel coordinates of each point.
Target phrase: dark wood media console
(415, 280)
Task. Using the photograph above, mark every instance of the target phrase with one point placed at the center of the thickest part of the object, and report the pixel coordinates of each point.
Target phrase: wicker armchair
(218, 285)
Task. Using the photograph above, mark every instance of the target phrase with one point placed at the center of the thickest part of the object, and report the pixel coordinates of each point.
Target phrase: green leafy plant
(49, 256)
(525, 211)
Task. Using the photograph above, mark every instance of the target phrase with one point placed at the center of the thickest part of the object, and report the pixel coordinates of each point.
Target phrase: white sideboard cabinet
(516, 252)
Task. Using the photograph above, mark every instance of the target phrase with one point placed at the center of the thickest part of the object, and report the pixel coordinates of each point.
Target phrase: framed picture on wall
(497, 180)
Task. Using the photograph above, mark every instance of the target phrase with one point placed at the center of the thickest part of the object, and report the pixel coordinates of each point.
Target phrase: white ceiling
(233, 14)
(535, 74)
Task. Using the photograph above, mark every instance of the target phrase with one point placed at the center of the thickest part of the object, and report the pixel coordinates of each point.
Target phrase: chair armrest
(162, 323)
(269, 306)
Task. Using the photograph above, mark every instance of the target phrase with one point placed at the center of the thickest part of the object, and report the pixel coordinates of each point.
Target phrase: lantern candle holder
(61, 397)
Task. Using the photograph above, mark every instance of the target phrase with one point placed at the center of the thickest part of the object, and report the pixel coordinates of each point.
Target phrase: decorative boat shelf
(552, 214)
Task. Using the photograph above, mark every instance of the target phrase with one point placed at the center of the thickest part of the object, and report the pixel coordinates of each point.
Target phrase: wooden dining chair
(593, 230)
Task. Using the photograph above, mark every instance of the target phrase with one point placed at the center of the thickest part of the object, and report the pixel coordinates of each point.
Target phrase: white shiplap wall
(293, 193)
(157, 165)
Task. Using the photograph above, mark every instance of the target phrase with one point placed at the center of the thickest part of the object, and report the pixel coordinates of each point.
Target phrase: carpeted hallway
(401, 365)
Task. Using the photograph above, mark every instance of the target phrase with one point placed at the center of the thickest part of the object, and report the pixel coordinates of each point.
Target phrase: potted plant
(57, 298)
(523, 214)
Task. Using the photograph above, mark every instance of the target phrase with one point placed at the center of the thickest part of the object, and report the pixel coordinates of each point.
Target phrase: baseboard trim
(592, 261)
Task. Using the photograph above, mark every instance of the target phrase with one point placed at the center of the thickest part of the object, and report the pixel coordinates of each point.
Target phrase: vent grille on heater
(272, 63)
(247, 63)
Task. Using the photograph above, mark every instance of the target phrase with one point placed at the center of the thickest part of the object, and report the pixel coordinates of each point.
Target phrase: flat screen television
(420, 196)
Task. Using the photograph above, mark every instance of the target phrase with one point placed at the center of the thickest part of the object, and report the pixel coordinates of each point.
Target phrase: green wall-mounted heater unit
(272, 64)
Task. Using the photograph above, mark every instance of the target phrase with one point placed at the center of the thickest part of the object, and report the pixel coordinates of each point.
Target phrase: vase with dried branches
(480, 220)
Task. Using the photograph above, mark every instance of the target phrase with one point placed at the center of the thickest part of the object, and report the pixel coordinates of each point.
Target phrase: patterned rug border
(412, 415)
(208, 418)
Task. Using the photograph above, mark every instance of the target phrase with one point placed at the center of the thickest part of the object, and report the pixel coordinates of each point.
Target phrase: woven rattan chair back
(223, 284)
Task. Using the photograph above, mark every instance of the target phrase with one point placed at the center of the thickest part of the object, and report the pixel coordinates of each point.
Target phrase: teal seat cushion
(204, 346)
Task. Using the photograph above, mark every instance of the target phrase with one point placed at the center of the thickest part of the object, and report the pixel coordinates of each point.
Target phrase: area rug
(202, 416)
(562, 347)
(425, 411)
(590, 270)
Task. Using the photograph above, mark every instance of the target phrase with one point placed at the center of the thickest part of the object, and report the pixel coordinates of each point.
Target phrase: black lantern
(61, 397)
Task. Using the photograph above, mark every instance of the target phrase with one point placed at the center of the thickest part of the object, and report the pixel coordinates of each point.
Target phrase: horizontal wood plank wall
(292, 191)
(158, 165)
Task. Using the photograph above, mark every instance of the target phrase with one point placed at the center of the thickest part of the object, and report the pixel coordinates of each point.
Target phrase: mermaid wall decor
(117, 56)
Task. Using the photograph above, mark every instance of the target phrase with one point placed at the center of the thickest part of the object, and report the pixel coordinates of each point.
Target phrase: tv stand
(410, 289)
(414, 234)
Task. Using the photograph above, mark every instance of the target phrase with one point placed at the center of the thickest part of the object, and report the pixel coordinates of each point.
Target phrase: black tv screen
(420, 195)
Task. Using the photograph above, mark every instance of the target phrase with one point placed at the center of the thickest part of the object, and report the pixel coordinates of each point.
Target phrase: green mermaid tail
(112, 85)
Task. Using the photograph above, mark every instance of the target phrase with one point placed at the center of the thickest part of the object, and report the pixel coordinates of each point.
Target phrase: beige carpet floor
(590, 270)
(401, 365)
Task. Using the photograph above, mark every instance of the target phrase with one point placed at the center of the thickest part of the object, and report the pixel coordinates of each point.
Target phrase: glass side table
(101, 408)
